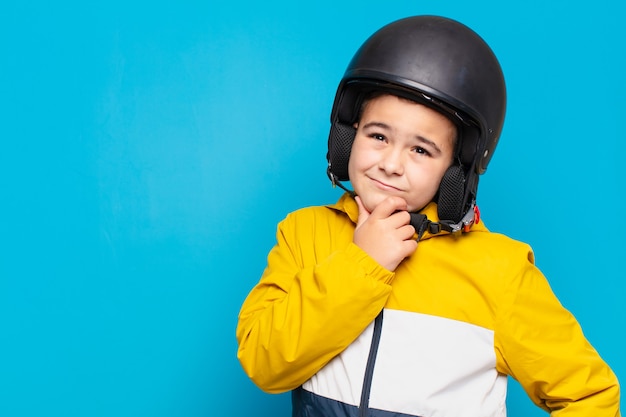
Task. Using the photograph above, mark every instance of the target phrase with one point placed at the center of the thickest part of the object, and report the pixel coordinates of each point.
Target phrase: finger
(389, 206)
(400, 218)
(409, 247)
(363, 213)
(406, 232)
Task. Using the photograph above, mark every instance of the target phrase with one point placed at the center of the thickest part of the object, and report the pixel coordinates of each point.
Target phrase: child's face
(401, 149)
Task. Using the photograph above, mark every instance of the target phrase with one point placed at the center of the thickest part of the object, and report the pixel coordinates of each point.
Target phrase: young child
(397, 300)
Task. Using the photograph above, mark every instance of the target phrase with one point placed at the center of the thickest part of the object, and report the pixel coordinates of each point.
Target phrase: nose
(392, 161)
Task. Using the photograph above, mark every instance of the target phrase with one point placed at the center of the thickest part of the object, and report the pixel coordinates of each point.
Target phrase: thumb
(363, 213)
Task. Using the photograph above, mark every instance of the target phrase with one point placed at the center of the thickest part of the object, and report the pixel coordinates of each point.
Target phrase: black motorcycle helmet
(440, 63)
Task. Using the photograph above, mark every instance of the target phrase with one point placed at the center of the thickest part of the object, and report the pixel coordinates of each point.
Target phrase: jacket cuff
(368, 265)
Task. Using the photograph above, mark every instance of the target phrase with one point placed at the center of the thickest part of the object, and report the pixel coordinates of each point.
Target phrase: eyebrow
(418, 137)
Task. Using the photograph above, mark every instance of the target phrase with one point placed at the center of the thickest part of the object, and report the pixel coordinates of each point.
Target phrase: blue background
(150, 148)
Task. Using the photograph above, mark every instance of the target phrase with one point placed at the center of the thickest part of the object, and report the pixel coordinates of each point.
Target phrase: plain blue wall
(149, 149)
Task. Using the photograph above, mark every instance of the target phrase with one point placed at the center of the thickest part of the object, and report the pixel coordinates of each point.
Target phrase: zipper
(369, 368)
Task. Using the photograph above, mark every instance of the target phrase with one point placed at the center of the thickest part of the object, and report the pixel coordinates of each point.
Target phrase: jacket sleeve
(314, 298)
(542, 346)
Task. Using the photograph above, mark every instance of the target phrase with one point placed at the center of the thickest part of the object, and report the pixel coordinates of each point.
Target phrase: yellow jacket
(458, 316)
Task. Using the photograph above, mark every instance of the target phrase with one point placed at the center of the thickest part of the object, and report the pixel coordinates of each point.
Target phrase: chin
(369, 205)
(370, 202)
(416, 209)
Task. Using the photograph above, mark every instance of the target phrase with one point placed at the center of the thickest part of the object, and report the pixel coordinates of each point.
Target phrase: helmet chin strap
(421, 223)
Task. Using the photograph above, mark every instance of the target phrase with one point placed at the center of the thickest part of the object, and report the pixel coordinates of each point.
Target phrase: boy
(355, 316)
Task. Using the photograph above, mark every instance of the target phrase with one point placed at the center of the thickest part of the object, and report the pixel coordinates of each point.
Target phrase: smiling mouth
(384, 185)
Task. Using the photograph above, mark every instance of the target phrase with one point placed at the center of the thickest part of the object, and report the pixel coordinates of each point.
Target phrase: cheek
(438, 174)
(351, 165)
(427, 178)
(357, 158)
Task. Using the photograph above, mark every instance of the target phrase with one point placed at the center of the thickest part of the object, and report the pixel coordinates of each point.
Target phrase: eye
(378, 137)
(421, 150)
